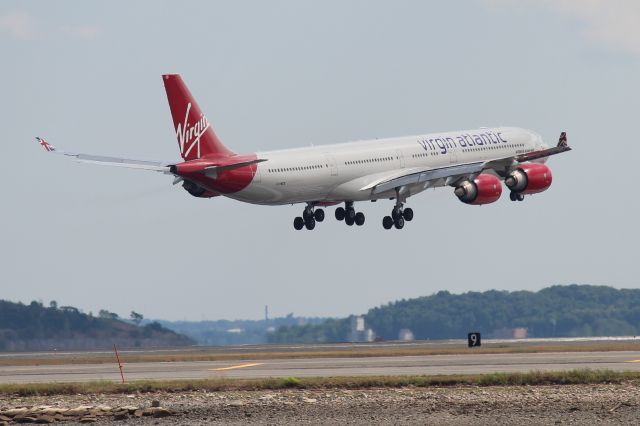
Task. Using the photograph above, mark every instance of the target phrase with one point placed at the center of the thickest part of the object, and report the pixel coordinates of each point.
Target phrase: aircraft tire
(319, 215)
(407, 214)
(310, 224)
(298, 223)
(387, 222)
(340, 213)
(349, 220)
(399, 223)
(359, 219)
(307, 214)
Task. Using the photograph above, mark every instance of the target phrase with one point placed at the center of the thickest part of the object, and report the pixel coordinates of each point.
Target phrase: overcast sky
(279, 74)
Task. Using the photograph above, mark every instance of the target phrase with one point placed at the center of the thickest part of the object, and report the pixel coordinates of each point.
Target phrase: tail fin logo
(46, 145)
(189, 136)
(562, 141)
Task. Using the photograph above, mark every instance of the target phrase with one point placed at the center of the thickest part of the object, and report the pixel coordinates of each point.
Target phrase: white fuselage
(339, 172)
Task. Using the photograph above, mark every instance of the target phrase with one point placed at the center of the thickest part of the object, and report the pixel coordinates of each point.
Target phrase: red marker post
(119, 363)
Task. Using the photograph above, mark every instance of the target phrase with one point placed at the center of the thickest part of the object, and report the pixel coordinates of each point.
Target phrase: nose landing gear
(516, 196)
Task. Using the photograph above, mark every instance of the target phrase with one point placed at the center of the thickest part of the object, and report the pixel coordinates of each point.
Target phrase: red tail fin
(196, 138)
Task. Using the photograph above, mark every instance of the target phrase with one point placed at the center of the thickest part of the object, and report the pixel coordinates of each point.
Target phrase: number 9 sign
(473, 339)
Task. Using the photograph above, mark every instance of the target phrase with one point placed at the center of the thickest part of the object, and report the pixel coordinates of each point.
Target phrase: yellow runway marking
(233, 367)
(634, 360)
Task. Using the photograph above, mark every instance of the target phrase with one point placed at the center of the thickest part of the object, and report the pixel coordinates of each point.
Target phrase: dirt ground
(465, 405)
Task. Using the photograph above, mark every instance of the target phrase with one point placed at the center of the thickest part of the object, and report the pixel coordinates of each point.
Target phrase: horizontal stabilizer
(214, 171)
(156, 166)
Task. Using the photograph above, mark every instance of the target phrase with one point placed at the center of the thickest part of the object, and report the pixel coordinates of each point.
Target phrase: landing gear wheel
(520, 197)
(513, 196)
(310, 224)
(359, 219)
(298, 223)
(307, 214)
(351, 214)
(349, 220)
(340, 213)
(407, 214)
(396, 213)
(387, 222)
(399, 223)
(319, 215)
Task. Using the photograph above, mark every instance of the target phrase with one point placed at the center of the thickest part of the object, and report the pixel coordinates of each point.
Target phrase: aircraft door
(331, 162)
(453, 156)
(400, 157)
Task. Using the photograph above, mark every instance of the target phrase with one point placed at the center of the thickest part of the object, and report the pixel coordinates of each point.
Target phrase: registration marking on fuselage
(233, 367)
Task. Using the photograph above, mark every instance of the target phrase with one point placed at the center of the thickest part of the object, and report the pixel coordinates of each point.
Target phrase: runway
(471, 363)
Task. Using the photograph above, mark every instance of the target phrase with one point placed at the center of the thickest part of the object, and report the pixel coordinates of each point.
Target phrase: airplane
(472, 162)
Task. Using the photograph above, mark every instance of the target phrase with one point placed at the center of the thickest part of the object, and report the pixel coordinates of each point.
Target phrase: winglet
(46, 145)
(562, 141)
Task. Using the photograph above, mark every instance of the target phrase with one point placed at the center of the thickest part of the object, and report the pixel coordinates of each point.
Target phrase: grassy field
(355, 351)
(220, 385)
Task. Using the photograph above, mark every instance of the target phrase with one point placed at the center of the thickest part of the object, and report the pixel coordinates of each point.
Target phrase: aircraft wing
(108, 161)
(425, 176)
(529, 156)
(456, 172)
(561, 147)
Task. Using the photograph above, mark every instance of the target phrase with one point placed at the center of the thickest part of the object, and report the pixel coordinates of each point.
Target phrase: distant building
(520, 333)
(406, 335)
(510, 333)
(369, 335)
(359, 332)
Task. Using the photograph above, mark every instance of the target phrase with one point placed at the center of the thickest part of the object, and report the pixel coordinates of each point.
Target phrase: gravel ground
(567, 404)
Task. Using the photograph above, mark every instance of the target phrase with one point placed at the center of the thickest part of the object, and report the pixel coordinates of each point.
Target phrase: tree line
(557, 311)
(34, 326)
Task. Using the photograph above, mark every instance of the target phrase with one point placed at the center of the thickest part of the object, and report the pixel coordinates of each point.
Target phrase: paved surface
(403, 365)
(460, 344)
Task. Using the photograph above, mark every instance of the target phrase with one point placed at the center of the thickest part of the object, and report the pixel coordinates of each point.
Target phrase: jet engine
(529, 178)
(196, 190)
(484, 189)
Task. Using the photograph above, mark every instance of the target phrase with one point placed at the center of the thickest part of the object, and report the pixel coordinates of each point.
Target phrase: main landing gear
(398, 217)
(516, 196)
(349, 215)
(310, 216)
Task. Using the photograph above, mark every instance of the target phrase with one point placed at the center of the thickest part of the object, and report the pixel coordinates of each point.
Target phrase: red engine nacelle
(529, 178)
(484, 189)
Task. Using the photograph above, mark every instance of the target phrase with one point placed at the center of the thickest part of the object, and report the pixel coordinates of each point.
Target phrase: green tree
(136, 317)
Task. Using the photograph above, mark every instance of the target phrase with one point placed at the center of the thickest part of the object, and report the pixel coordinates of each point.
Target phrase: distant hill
(558, 311)
(35, 327)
